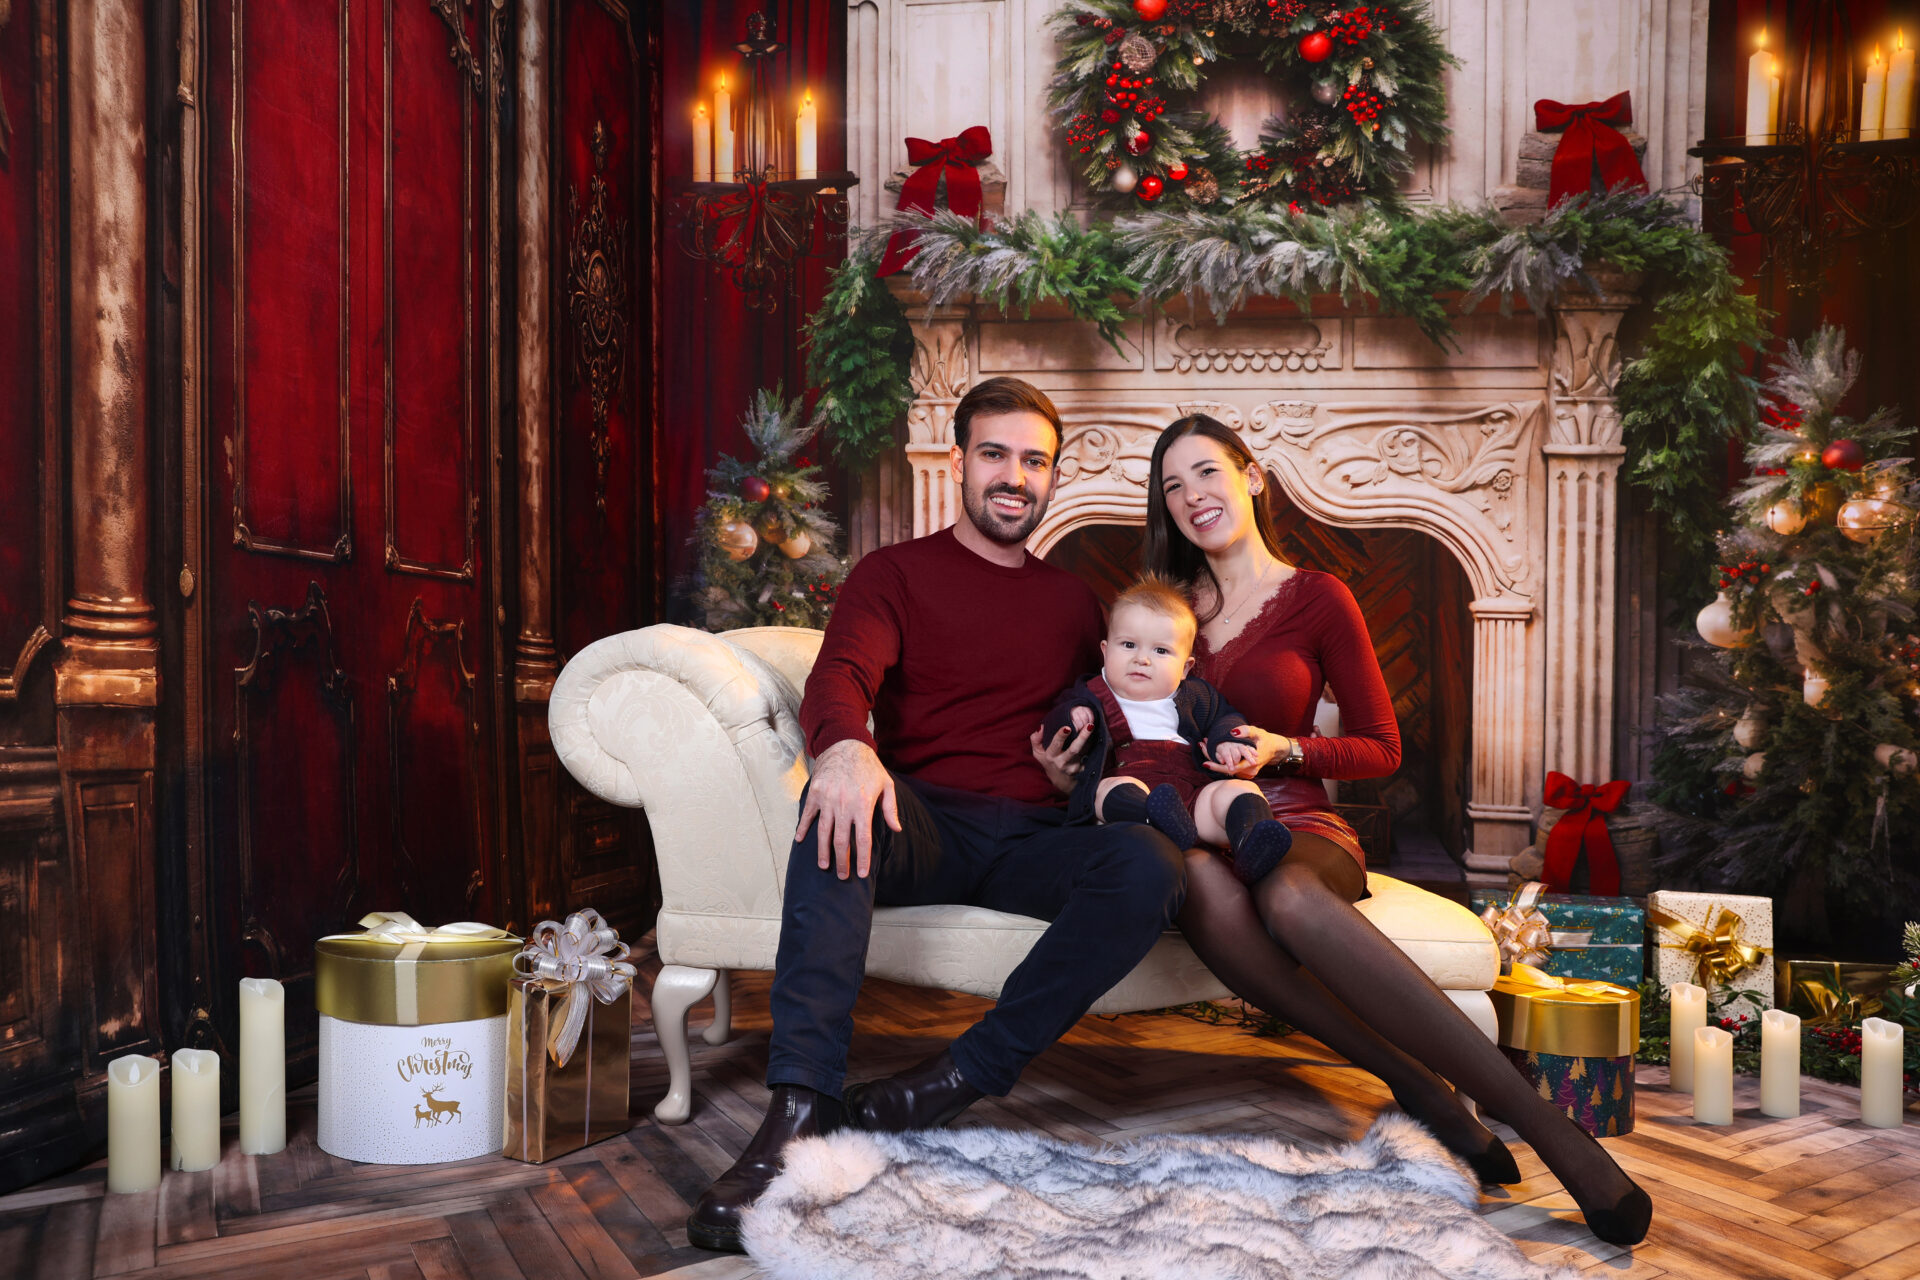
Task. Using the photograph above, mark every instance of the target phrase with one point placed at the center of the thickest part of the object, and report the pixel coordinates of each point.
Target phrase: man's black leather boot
(794, 1112)
(924, 1097)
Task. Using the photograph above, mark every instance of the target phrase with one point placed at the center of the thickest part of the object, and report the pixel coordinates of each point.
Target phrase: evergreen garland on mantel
(1682, 394)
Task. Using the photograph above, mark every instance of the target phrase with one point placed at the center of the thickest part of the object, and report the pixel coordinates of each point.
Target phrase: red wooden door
(348, 650)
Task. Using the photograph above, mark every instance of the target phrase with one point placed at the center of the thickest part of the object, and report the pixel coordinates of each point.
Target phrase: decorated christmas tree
(1786, 765)
(767, 554)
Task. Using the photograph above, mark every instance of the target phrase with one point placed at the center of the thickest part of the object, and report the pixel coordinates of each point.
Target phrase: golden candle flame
(1761, 42)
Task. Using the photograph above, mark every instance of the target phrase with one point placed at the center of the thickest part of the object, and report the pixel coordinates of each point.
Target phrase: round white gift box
(413, 1048)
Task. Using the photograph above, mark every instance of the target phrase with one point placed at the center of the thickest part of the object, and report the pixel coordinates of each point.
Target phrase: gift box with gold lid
(569, 1021)
(1575, 1042)
(413, 1024)
(1720, 941)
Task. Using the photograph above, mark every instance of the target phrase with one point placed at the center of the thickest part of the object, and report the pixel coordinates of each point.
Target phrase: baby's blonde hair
(1157, 595)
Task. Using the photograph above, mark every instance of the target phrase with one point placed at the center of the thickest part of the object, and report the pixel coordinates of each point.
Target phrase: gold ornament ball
(738, 539)
(796, 546)
(1865, 518)
(1786, 518)
(1823, 503)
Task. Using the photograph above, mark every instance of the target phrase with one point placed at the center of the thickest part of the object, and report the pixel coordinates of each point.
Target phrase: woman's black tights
(1294, 946)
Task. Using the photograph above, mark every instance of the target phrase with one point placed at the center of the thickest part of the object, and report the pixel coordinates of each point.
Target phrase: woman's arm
(1369, 741)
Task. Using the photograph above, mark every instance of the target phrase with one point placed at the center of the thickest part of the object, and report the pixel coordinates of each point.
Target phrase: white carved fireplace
(1506, 450)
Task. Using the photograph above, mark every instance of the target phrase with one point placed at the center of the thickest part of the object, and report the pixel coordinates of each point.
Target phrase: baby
(1158, 731)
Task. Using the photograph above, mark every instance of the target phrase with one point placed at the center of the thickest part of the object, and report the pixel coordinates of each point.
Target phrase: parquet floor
(1814, 1198)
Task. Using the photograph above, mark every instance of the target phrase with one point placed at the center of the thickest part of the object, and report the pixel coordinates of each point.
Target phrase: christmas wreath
(1362, 84)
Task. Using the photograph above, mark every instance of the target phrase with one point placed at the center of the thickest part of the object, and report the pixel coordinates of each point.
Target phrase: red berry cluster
(1124, 91)
(1353, 26)
(1084, 132)
(1812, 588)
(1284, 12)
(1839, 1039)
(1782, 417)
(1116, 35)
(1362, 105)
(1110, 116)
(820, 591)
(1258, 163)
(1150, 109)
(1747, 573)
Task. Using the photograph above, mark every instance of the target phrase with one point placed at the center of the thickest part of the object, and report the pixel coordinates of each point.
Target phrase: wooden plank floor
(1814, 1198)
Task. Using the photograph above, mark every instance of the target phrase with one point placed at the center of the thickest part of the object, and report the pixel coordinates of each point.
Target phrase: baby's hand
(1234, 758)
(1082, 719)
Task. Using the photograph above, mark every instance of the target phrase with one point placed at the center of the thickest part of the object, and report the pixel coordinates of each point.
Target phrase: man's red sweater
(959, 660)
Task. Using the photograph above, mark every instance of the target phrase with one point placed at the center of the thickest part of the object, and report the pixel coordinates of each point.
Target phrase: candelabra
(1812, 184)
(754, 210)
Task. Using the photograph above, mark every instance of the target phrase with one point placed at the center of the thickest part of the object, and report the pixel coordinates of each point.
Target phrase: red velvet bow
(956, 158)
(1589, 140)
(1582, 827)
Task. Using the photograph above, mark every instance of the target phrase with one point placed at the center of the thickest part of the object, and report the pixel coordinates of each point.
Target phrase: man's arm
(863, 640)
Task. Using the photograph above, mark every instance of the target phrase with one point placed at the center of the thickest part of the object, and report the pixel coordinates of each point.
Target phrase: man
(957, 644)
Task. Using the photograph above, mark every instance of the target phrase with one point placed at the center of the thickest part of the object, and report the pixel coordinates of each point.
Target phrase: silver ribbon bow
(1520, 929)
(587, 955)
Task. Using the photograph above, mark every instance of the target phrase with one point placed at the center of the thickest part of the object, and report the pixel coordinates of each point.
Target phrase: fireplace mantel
(1505, 447)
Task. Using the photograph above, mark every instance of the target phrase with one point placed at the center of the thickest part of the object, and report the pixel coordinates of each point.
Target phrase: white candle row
(713, 138)
(1886, 99)
(133, 1098)
(1702, 1063)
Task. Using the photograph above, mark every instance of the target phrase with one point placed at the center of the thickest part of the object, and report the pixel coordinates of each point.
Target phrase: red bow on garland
(956, 158)
(1589, 140)
(1582, 827)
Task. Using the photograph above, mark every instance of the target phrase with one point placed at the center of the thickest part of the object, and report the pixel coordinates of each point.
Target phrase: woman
(1271, 636)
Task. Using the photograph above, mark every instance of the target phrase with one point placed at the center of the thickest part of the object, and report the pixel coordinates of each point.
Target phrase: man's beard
(988, 519)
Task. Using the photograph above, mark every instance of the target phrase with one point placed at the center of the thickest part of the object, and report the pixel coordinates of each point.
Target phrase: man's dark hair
(1003, 395)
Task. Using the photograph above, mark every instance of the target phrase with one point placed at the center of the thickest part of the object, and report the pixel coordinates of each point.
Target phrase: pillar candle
(263, 1066)
(702, 145)
(1813, 689)
(196, 1109)
(809, 135)
(722, 133)
(1760, 95)
(1779, 1063)
(133, 1123)
(1897, 120)
(1689, 1005)
(1712, 1076)
(1882, 1048)
(1873, 97)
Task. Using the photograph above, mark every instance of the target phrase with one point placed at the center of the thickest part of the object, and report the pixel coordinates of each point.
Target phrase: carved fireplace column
(1583, 453)
(107, 682)
(942, 373)
(1501, 815)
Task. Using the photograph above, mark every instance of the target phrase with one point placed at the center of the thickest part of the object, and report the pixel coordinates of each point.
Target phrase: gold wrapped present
(1574, 1040)
(1830, 992)
(1720, 941)
(569, 1018)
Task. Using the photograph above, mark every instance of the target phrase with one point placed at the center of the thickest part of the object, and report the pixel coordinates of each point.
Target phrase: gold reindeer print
(439, 1110)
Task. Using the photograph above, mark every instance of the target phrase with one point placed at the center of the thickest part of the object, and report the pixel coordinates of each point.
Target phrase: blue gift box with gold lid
(1599, 939)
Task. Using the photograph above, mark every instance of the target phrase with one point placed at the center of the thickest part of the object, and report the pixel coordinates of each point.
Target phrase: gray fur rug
(964, 1203)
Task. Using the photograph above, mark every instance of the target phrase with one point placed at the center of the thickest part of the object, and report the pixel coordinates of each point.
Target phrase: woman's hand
(1060, 757)
(1253, 749)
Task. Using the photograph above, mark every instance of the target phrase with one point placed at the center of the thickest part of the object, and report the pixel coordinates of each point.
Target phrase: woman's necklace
(1251, 594)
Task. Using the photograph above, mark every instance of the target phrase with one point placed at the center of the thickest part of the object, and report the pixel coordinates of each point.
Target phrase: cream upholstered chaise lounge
(702, 731)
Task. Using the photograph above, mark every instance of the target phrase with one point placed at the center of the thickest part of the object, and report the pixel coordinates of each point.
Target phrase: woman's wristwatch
(1292, 759)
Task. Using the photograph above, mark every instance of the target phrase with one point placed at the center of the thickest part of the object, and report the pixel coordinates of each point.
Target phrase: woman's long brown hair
(1168, 551)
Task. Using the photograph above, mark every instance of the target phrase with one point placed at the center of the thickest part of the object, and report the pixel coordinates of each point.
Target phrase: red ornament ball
(1139, 144)
(1177, 171)
(1150, 187)
(754, 489)
(1150, 10)
(1843, 455)
(1315, 46)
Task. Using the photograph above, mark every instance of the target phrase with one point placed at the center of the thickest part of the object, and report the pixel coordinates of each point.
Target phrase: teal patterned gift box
(1603, 939)
(1594, 1093)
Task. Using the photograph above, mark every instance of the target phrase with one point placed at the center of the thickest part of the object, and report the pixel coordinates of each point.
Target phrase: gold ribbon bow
(1521, 930)
(1831, 1008)
(1720, 955)
(1572, 1017)
(587, 955)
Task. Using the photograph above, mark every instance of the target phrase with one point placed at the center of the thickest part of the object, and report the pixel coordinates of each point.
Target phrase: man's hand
(848, 779)
(1252, 750)
(1061, 758)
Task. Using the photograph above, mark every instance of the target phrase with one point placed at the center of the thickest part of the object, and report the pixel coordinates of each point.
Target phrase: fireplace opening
(1414, 595)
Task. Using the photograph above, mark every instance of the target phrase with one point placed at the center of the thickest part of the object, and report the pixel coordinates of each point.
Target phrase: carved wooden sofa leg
(721, 1028)
(676, 990)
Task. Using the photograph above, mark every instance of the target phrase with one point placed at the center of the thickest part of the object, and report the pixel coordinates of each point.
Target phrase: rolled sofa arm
(704, 736)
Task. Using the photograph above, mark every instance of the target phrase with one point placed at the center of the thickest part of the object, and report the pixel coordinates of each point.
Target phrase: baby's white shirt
(1154, 720)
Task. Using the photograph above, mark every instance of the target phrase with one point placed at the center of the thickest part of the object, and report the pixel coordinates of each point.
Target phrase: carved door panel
(347, 352)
